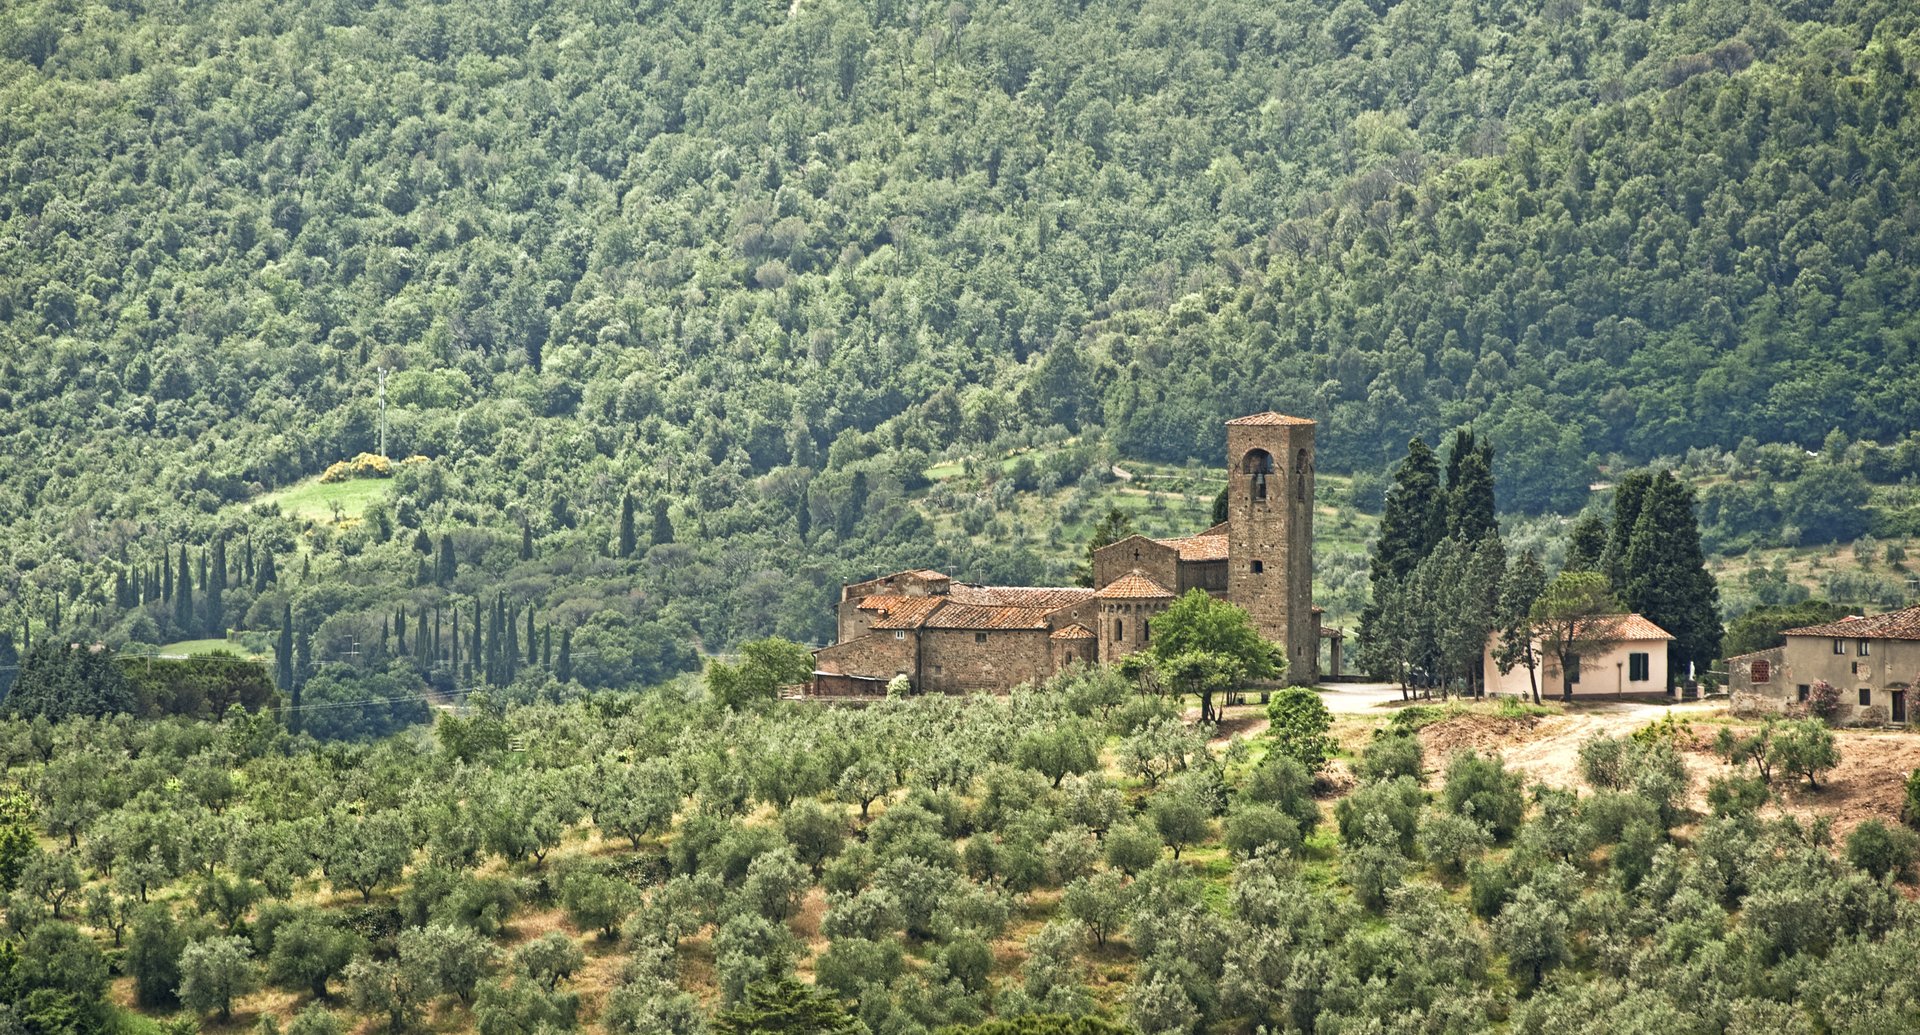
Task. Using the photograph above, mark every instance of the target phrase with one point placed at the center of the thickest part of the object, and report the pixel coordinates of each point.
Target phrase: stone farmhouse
(1873, 661)
(1631, 659)
(953, 637)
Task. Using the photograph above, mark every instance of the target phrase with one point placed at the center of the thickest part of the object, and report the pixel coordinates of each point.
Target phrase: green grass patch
(315, 500)
(207, 646)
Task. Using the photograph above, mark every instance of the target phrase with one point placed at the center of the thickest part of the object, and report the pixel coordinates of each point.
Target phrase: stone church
(952, 637)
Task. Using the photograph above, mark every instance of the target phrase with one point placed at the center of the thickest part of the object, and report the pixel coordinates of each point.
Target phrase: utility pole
(383, 411)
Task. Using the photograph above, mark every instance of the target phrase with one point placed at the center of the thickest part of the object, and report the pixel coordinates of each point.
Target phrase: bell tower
(1270, 533)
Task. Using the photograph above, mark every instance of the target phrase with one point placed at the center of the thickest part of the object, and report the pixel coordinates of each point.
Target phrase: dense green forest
(761, 266)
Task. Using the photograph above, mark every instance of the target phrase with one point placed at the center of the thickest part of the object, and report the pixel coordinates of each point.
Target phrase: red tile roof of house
(1624, 627)
(1268, 419)
(1199, 547)
(1894, 625)
(1075, 631)
(908, 612)
(1020, 596)
(982, 617)
(1133, 586)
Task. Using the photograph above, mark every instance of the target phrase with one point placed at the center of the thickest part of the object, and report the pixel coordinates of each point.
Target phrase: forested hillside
(760, 265)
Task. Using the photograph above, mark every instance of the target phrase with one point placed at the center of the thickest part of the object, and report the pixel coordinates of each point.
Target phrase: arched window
(1300, 476)
(1258, 463)
(1119, 628)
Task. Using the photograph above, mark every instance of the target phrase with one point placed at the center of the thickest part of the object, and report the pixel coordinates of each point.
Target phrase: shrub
(1823, 701)
(1286, 784)
(1298, 724)
(1879, 849)
(1481, 787)
(1803, 747)
(1449, 841)
(1736, 795)
(1910, 802)
(1397, 802)
(1252, 826)
(1392, 755)
(1131, 849)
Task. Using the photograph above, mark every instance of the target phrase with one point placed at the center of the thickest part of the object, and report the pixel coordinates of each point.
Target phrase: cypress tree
(400, 632)
(437, 655)
(216, 605)
(533, 642)
(386, 635)
(1666, 576)
(510, 654)
(1628, 497)
(453, 639)
(302, 658)
(563, 666)
(1586, 543)
(449, 566)
(420, 641)
(1220, 506)
(546, 647)
(627, 542)
(526, 541)
(1470, 507)
(9, 663)
(166, 574)
(120, 589)
(183, 597)
(1413, 521)
(246, 562)
(803, 513)
(265, 575)
(474, 644)
(662, 523)
(200, 570)
(283, 650)
(422, 543)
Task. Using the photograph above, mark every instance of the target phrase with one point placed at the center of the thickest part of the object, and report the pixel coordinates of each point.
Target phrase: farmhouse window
(899, 634)
(1761, 672)
(1802, 692)
(1839, 645)
(1861, 648)
(979, 637)
(1866, 696)
(1637, 669)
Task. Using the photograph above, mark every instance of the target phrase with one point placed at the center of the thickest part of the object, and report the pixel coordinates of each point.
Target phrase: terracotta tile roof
(981, 617)
(929, 574)
(1624, 627)
(1199, 547)
(880, 601)
(909, 613)
(1075, 631)
(1220, 529)
(1132, 586)
(1269, 419)
(1894, 625)
(1050, 597)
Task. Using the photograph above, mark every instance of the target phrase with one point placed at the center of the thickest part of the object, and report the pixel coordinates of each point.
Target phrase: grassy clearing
(315, 500)
(207, 646)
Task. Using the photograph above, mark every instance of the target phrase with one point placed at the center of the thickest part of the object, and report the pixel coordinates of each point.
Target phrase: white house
(1633, 660)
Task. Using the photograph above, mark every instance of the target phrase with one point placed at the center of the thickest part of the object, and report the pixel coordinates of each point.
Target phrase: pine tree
(449, 566)
(662, 523)
(283, 650)
(1112, 528)
(1666, 577)
(627, 542)
(563, 666)
(1520, 589)
(183, 597)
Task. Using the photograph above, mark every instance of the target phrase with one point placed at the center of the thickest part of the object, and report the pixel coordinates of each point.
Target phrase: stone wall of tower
(1270, 537)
